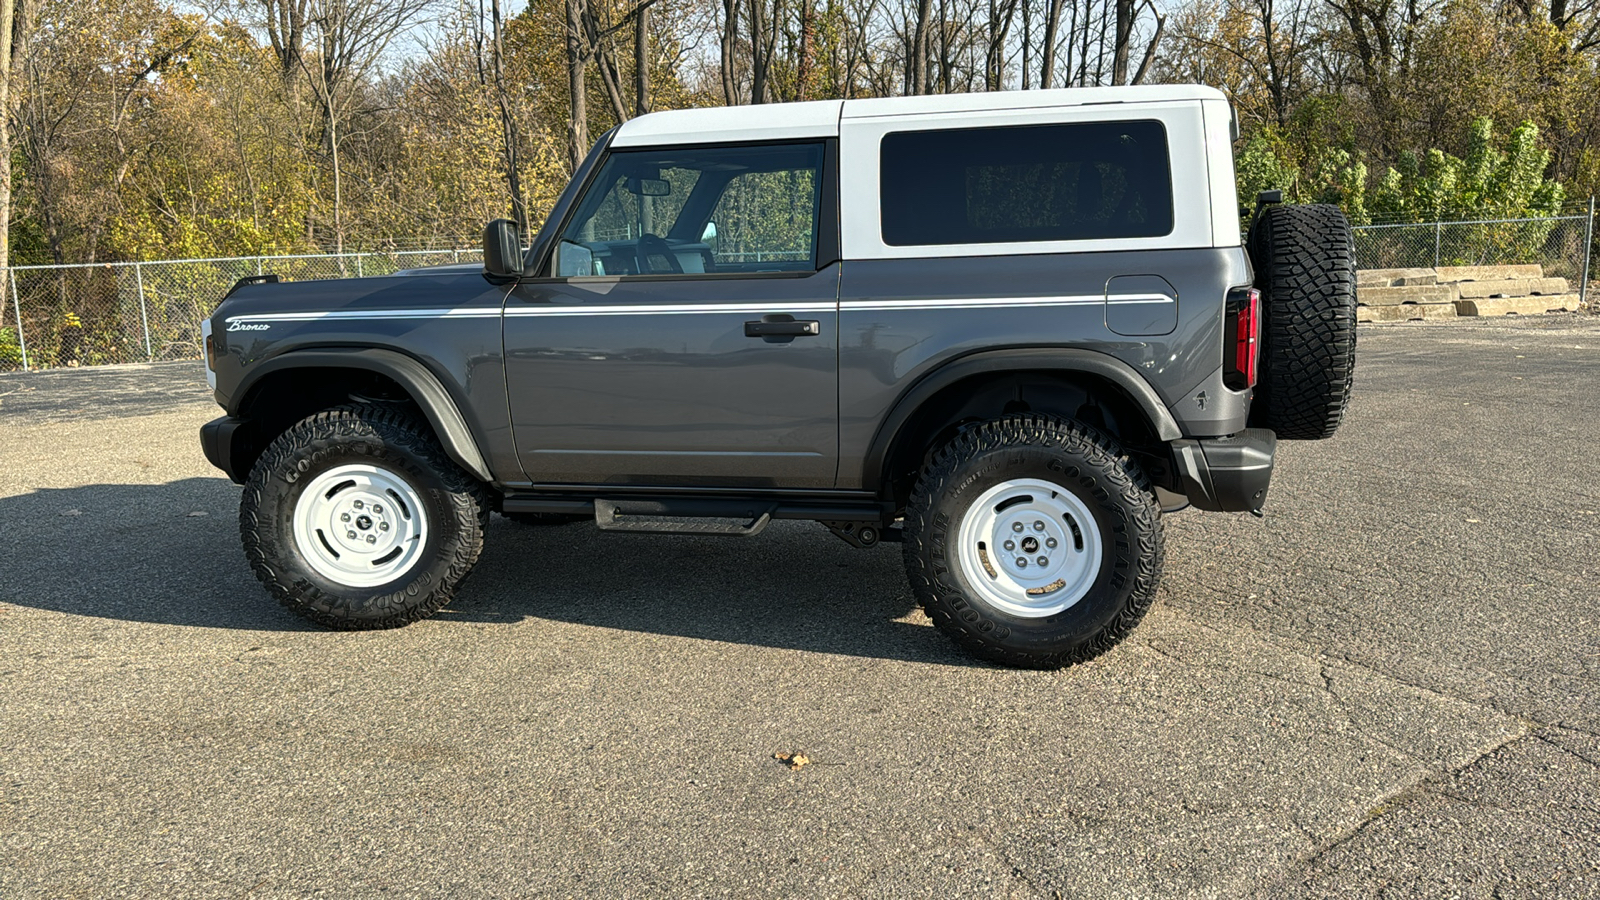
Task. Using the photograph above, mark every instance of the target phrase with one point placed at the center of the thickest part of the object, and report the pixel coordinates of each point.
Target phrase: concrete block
(1489, 273)
(1391, 277)
(1406, 312)
(1512, 287)
(1522, 306)
(1394, 296)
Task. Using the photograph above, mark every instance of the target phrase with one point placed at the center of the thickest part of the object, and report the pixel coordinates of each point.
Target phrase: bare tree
(350, 38)
(577, 85)
(510, 139)
(1047, 53)
(921, 40)
(9, 45)
(641, 61)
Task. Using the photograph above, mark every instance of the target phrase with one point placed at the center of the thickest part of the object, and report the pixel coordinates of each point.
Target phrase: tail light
(1243, 336)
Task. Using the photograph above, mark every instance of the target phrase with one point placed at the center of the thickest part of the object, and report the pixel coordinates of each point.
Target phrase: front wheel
(356, 518)
(1031, 541)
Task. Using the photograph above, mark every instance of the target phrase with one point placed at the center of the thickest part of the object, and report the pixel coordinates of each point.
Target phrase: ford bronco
(1009, 330)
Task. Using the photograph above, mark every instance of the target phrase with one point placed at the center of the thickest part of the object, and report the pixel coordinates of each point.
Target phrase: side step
(683, 516)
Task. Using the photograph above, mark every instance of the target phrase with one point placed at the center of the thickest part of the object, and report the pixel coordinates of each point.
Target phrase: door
(687, 330)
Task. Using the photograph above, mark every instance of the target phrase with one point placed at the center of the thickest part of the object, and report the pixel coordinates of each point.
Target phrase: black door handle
(783, 328)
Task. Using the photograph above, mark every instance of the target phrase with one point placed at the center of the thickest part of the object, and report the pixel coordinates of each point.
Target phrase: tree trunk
(730, 50)
(1150, 51)
(808, 41)
(920, 41)
(510, 140)
(338, 188)
(760, 61)
(1047, 65)
(641, 62)
(8, 16)
(1124, 36)
(577, 102)
(1027, 38)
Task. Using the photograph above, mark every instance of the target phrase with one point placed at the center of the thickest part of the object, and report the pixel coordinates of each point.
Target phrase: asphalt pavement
(1386, 687)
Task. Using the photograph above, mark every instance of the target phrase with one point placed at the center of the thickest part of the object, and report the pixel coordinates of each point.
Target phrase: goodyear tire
(355, 518)
(1033, 542)
(1304, 258)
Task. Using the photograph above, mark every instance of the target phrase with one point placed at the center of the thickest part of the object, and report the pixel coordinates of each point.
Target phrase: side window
(696, 211)
(1026, 183)
(764, 219)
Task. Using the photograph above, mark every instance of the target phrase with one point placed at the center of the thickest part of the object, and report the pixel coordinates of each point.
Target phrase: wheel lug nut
(1043, 560)
(377, 510)
(1038, 526)
(1010, 545)
(1022, 563)
(383, 526)
(1049, 542)
(1016, 526)
(358, 504)
(344, 517)
(350, 534)
(373, 539)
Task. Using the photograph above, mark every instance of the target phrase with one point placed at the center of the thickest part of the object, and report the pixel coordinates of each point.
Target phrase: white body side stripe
(684, 309)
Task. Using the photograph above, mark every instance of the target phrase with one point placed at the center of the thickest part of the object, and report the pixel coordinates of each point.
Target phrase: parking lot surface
(1388, 686)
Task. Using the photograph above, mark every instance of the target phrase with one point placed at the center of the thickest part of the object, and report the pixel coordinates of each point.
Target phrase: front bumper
(1227, 474)
(229, 444)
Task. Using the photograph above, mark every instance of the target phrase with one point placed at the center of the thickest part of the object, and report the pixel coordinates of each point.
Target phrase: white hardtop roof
(820, 118)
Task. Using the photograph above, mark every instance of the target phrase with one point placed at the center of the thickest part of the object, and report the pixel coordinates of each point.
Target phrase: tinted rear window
(1026, 183)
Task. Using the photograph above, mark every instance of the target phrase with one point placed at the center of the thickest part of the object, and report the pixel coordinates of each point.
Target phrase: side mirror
(502, 250)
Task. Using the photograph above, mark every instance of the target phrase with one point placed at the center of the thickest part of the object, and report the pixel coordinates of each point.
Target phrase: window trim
(1166, 143)
(826, 224)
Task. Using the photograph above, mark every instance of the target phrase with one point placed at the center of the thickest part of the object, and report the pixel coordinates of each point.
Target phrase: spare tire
(1304, 259)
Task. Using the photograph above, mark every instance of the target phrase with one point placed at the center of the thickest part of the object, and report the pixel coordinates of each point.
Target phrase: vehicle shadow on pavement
(169, 554)
(795, 586)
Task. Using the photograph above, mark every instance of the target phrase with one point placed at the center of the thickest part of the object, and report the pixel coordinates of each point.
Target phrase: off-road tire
(374, 435)
(1304, 259)
(1065, 453)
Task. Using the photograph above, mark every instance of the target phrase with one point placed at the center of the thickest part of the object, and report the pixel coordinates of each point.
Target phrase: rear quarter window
(1018, 184)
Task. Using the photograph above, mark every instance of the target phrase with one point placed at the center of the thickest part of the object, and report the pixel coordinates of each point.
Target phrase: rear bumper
(227, 443)
(1228, 474)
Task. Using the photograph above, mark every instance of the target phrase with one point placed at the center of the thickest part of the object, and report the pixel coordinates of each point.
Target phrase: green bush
(10, 350)
(1491, 182)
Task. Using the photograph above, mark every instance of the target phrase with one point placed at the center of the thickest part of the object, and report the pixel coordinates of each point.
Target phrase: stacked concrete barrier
(1403, 295)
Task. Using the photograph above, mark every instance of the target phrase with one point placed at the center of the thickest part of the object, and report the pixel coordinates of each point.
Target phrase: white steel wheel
(360, 525)
(1031, 548)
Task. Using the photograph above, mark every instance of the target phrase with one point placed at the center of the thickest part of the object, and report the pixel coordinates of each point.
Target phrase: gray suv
(1009, 330)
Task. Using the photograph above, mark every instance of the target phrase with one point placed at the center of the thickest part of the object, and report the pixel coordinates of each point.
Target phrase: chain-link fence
(94, 314)
(1561, 244)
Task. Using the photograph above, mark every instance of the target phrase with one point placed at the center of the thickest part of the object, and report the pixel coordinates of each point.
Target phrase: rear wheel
(1032, 541)
(1304, 257)
(356, 518)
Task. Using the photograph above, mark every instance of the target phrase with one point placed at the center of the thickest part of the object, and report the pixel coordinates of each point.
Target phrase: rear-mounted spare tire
(1304, 259)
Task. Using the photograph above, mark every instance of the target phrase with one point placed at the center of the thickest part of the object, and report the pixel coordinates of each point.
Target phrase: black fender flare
(1016, 359)
(417, 379)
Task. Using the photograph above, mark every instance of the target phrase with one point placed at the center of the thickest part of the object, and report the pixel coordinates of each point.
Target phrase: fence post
(258, 265)
(22, 343)
(360, 272)
(144, 313)
(1588, 249)
(1438, 229)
